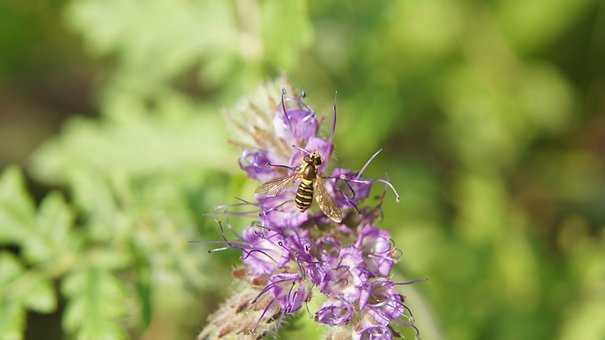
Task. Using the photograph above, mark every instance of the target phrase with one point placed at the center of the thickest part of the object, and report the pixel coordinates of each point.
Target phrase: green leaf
(55, 218)
(10, 269)
(94, 197)
(40, 295)
(96, 303)
(51, 236)
(135, 148)
(12, 320)
(12, 313)
(16, 207)
(20, 290)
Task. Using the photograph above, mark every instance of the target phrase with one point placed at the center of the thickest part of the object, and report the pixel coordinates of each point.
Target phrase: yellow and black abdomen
(304, 195)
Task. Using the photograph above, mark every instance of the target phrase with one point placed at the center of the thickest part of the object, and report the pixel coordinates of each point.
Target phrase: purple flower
(377, 249)
(296, 126)
(269, 145)
(380, 299)
(326, 248)
(264, 252)
(347, 276)
(289, 291)
(280, 212)
(335, 313)
(292, 251)
(373, 333)
(256, 164)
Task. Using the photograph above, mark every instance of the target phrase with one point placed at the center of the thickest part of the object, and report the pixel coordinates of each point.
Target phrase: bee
(311, 185)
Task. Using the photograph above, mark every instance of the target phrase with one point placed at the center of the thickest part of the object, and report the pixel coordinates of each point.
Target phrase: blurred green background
(113, 146)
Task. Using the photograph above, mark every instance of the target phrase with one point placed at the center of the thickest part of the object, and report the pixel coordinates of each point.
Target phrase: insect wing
(276, 186)
(326, 202)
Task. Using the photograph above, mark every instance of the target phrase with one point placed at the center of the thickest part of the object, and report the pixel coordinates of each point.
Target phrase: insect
(311, 185)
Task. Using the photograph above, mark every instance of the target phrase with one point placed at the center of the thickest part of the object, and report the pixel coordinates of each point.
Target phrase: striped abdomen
(304, 195)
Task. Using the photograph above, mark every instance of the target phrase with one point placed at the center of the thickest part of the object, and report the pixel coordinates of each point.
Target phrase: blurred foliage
(490, 113)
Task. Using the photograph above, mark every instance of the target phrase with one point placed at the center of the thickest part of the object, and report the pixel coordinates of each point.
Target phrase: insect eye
(318, 161)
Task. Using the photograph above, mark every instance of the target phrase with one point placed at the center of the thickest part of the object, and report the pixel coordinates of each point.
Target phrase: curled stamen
(268, 287)
(229, 245)
(232, 213)
(225, 207)
(283, 105)
(309, 314)
(333, 130)
(388, 184)
(220, 225)
(410, 282)
(385, 252)
(288, 297)
(246, 202)
(308, 117)
(216, 250)
(238, 243)
(258, 224)
(367, 163)
(300, 268)
(257, 251)
(408, 310)
(301, 101)
(377, 256)
(396, 254)
(263, 315)
(277, 207)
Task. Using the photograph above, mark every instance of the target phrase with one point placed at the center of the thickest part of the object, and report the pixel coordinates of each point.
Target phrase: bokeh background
(113, 147)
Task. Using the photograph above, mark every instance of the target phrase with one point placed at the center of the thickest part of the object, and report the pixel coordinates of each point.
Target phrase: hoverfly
(311, 185)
